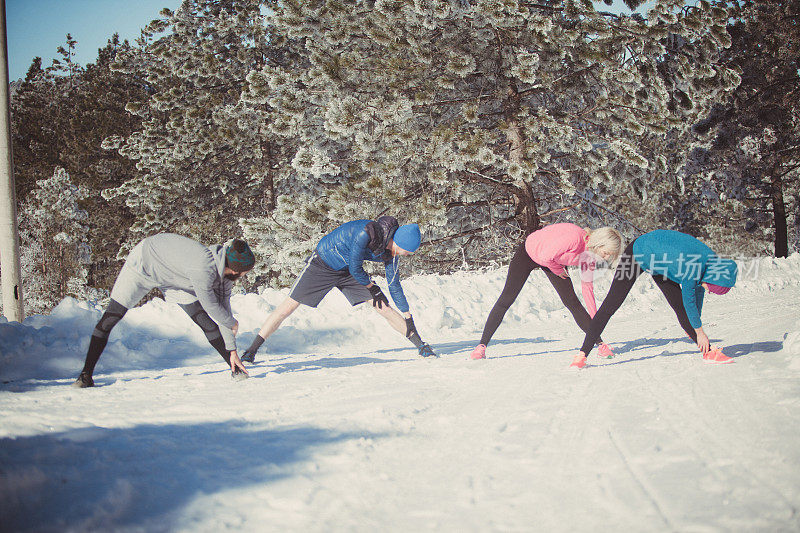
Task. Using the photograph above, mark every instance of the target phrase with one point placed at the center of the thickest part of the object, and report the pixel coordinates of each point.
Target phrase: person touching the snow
(552, 249)
(196, 277)
(683, 268)
(338, 263)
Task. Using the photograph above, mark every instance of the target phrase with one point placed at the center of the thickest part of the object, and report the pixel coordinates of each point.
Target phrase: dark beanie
(239, 257)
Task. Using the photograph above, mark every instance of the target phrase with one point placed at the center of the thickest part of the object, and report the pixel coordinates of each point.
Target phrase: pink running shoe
(579, 361)
(479, 352)
(605, 352)
(715, 357)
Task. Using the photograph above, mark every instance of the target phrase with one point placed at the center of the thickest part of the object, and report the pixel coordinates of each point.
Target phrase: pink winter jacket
(559, 245)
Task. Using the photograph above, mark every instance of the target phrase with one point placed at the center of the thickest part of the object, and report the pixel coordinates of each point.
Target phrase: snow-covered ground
(344, 428)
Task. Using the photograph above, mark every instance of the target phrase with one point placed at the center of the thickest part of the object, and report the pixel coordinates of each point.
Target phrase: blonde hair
(607, 239)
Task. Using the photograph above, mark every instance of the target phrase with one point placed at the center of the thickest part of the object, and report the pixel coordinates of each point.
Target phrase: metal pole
(9, 236)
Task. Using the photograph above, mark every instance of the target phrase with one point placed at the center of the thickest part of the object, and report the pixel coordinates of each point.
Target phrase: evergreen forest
(481, 120)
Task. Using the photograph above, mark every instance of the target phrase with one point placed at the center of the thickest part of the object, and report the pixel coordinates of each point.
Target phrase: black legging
(116, 311)
(518, 271)
(625, 276)
(200, 317)
(97, 343)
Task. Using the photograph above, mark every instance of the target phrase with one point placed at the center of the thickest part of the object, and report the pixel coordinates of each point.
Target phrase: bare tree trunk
(62, 273)
(526, 210)
(779, 218)
(269, 193)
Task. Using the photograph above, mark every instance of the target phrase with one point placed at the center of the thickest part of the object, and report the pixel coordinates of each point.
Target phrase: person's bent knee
(200, 317)
(111, 317)
(207, 324)
(504, 303)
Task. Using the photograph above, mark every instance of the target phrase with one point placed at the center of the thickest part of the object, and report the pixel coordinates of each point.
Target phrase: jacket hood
(720, 271)
(380, 232)
(218, 253)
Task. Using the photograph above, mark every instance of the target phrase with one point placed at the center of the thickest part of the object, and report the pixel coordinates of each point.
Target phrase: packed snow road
(342, 427)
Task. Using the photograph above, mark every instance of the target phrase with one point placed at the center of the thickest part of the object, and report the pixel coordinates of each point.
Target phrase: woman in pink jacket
(552, 249)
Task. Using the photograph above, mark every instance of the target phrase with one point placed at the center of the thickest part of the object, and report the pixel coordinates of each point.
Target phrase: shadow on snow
(738, 350)
(142, 477)
(329, 362)
(452, 348)
(734, 351)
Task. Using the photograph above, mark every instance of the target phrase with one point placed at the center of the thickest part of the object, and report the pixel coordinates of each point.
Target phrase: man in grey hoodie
(198, 278)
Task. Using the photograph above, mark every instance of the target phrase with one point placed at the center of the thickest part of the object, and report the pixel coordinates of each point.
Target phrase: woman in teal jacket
(683, 268)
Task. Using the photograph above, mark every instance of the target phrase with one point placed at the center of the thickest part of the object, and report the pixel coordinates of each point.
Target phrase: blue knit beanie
(408, 237)
(239, 257)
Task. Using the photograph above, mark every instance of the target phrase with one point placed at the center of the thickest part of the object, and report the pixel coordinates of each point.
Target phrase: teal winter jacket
(686, 261)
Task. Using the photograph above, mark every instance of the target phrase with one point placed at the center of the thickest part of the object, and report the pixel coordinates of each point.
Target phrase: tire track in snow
(640, 478)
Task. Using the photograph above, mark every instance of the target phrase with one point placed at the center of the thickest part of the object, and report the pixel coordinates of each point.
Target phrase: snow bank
(446, 308)
(791, 347)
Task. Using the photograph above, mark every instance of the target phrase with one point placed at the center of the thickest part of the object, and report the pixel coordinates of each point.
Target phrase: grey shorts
(317, 279)
(132, 285)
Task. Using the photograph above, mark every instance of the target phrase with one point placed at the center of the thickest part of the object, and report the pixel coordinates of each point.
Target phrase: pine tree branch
(789, 149)
(477, 176)
(550, 84)
(620, 217)
(453, 101)
(541, 6)
(554, 211)
(469, 232)
(787, 171)
(761, 90)
(284, 228)
(547, 174)
(479, 203)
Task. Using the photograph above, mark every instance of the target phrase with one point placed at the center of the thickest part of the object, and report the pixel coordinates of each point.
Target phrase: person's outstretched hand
(702, 341)
(237, 363)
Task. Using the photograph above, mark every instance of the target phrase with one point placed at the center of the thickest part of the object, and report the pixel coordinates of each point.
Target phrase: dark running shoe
(248, 357)
(426, 351)
(83, 381)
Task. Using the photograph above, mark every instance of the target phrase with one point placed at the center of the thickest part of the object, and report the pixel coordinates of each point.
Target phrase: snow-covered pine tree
(750, 164)
(54, 243)
(204, 156)
(59, 117)
(480, 115)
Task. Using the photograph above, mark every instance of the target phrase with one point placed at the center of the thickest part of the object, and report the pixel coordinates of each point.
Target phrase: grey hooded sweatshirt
(186, 271)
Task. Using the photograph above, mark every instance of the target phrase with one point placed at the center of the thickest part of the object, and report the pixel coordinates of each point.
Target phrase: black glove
(249, 356)
(411, 329)
(378, 298)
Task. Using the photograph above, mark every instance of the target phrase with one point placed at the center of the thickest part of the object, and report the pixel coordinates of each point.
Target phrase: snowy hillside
(342, 427)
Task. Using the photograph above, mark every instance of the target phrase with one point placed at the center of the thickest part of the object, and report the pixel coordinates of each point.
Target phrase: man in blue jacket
(338, 263)
(683, 268)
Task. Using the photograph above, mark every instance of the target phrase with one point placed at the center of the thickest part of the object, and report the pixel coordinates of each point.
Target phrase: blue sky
(38, 27)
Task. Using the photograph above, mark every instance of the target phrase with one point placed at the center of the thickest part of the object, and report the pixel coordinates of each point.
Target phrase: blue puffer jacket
(687, 261)
(352, 243)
